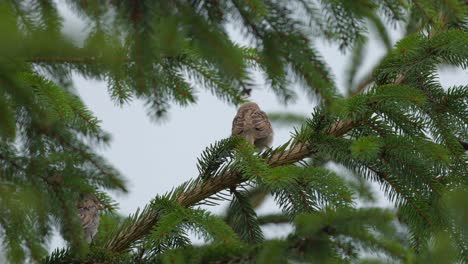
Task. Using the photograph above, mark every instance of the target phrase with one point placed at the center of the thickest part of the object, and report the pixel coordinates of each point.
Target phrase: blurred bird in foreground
(89, 208)
(252, 123)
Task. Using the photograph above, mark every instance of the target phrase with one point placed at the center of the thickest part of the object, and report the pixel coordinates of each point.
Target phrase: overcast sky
(157, 157)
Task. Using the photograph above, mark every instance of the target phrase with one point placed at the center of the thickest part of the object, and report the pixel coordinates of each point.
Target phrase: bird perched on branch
(252, 123)
(88, 209)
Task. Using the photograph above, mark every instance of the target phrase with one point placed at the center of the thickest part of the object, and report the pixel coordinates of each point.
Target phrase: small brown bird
(89, 208)
(253, 124)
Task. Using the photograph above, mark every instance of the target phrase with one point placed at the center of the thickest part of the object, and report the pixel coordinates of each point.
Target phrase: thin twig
(63, 60)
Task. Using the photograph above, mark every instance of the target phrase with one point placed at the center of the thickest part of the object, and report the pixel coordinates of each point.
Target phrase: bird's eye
(258, 129)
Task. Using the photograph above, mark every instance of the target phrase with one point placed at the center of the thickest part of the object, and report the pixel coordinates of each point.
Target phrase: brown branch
(362, 85)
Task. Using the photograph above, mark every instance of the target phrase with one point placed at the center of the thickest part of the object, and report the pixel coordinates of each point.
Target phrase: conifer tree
(398, 127)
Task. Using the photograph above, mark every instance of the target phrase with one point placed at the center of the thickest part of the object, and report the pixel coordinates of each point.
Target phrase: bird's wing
(236, 128)
(262, 124)
(87, 215)
(239, 123)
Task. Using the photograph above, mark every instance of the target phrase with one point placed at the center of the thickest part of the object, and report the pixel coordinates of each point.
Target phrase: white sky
(157, 157)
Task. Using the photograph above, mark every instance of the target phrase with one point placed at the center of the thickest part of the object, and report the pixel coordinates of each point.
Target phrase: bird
(253, 124)
(88, 208)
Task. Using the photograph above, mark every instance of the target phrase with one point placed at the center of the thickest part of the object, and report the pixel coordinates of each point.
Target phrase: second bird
(252, 123)
(89, 208)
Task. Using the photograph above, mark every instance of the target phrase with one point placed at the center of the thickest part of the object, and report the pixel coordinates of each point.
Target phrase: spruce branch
(383, 176)
(368, 78)
(243, 219)
(85, 155)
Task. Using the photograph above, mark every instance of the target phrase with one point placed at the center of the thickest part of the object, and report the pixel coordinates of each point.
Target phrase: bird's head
(249, 105)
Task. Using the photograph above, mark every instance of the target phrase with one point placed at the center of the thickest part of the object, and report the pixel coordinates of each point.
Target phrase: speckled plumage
(253, 124)
(88, 209)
